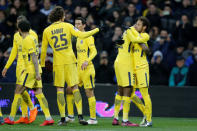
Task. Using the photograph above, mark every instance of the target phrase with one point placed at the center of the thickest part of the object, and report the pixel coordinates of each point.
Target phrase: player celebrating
(30, 77)
(141, 66)
(58, 35)
(16, 51)
(86, 51)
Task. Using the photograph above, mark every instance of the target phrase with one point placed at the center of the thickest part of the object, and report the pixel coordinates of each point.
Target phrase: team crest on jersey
(81, 42)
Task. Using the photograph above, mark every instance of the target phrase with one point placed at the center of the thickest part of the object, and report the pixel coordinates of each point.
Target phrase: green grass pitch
(159, 124)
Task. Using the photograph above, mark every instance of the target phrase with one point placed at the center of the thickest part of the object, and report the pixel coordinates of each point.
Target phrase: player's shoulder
(32, 32)
(17, 34)
(145, 35)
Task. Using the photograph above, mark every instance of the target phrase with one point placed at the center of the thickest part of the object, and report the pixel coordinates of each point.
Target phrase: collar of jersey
(57, 22)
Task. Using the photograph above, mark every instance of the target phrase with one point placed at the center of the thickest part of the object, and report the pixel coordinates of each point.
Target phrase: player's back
(18, 43)
(59, 35)
(30, 45)
(124, 51)
(139, 56)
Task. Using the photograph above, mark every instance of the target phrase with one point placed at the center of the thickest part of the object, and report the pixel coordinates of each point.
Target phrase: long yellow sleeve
(92, 48)
(43, 50)
(12, 55)
(135, 37)
(80, 34)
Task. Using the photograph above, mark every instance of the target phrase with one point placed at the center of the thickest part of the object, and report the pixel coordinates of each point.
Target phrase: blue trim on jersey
(53, 77)
(29, 58)
(25, 79)
(146, 79)
(91, 81)
(88, 53)
(142, 53)
(129, 49)
(129, 74)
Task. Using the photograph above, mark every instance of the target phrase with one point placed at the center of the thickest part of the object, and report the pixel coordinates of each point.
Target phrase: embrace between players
(131, 68)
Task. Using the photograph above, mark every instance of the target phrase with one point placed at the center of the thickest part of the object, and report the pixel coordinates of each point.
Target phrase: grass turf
(105, 124)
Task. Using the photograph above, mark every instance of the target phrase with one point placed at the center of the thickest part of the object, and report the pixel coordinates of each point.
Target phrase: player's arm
(79, 34)
(12, 57)
(43, 49)
(93, 51)
(135, 37)
(145, 48)
(35, 62)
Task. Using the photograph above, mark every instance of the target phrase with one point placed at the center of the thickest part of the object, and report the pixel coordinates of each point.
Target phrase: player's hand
(119, 42)
(102, 27)
(4, 72)
(38, 77)
(84, 65)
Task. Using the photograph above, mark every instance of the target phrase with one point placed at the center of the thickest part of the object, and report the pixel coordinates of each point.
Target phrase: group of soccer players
(131, 68)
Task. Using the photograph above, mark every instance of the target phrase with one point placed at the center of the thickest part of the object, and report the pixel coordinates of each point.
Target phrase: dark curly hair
(145, 22)
(56, 14)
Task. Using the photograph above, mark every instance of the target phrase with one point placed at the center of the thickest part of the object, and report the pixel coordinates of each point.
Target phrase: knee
(89, 93)
(38, 91)
(69, 90)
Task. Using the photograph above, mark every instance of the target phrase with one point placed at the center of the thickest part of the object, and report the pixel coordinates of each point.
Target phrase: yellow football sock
(0, 112)
(24, 108)
(70, 104)
(126, 107)
(61, 103)
(148, 103)
(43, 104)
(15, 105)
(27, 100)
(118, 101)
(78, 101)
(92, 107)
(138, 102)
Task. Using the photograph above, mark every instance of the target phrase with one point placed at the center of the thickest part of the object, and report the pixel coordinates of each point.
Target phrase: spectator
(84, 12)
(104, 73)
(19, 7)
(5, 42)
(194, 29)
(183, 30)
(37, 19)
(153, 15)
(178, 75)
(192, 73)
(188, 51)
(158, 70)
(190, 60)
(48, 7)
(3, 4)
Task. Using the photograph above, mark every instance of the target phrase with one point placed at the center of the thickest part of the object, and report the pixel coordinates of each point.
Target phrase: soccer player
(86, 51)
(58, 35)
(30, 77)
(1, 118)
(16, 51)
(141, 66)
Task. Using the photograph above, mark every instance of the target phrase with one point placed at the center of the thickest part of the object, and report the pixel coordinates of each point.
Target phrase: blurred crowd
(173, 39)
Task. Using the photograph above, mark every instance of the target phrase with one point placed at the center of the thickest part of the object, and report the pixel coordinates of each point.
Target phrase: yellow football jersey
(58, 36)
(17, 50)
(29, 46)
(86, 50)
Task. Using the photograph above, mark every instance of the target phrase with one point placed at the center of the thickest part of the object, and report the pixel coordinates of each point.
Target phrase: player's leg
(70, 105)
(1, 118)
(59, 82)
(44, 105)
(138, 102)
(15, 104)
(71, 76)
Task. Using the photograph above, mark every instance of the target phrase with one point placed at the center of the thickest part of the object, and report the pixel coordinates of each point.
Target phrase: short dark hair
(56, 14)
(145, 22)
(83, 21)
(24, 25)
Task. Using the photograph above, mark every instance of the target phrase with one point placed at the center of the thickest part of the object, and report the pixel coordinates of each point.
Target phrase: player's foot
(81, 120)
(1, 121)
(62, 122)
(128, 123)
(8, 121)
(115, 122)
(33, 114)
(22, 120)
(92, 121)
(47, 122)
(147, 124)
(70, 119)
(143, 121)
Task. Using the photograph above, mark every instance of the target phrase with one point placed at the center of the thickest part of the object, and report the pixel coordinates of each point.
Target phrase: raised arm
(43, 49)
(79, 34)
